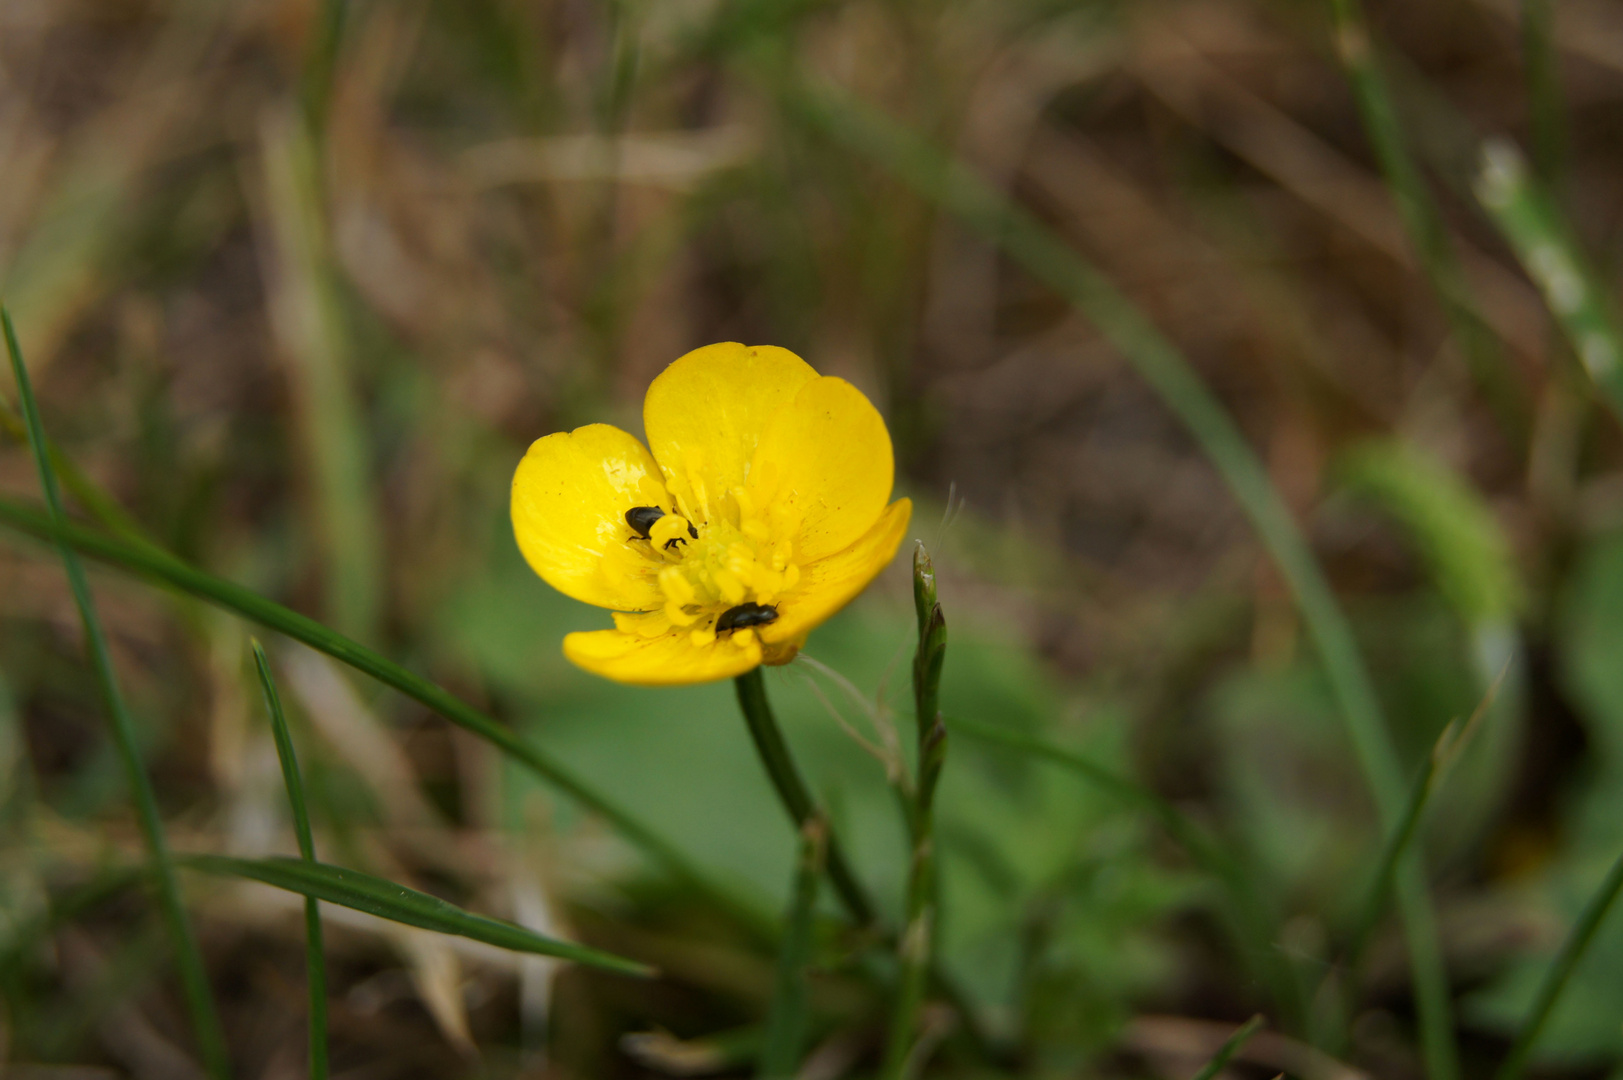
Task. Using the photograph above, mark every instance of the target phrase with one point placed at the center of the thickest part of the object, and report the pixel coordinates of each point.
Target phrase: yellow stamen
(668, 528)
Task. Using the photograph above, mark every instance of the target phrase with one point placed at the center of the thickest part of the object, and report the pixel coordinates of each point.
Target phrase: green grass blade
(1422, 217)
(315, 960)
(100, 505)
(174, 573)
(193, 973)
(395, 902)
(1226, 1052)
(1546, 108)
(1027, 241)
(1572, 951)
(1539, 234)
(316, 85)
(291, 776)
(318, 346)
(786, 1022)
(1447, 750)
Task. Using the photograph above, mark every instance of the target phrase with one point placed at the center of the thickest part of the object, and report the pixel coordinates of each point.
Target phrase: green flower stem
(315, 961)
(918, 932)
(1028, 242)
(174, 573)
(1549, 992)
(193, 974)
(786, 779)
(786, 1023)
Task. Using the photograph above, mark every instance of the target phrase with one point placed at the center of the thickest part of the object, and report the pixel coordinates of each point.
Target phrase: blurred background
(299, 281)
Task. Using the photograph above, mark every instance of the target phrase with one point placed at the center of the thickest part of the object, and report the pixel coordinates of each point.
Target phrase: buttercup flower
(761, 511)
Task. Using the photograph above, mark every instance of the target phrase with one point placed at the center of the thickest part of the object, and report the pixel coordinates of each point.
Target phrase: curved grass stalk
(395, 902)
(189, 957)
(1226, 1052)
(1545, 108)
(176, 574)
(1555, 981)
(100, 506)
(315, 961)
(1422, 217)
(1444, 753)
(936, 176)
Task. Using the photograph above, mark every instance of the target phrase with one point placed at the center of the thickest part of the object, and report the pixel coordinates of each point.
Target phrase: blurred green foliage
(300, 281)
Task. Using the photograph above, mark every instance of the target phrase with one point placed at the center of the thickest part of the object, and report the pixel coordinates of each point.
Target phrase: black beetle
(642, 518)
(745, 615)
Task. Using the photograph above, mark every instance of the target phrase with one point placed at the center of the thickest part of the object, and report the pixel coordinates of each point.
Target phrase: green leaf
(1456, 533)
(397, 903)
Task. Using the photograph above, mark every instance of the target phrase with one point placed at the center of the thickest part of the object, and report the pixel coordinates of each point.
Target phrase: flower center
(725, 566)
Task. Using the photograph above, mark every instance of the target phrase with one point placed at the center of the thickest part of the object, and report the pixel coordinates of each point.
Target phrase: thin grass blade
(1226, 1052)
(395, 902)
(787, 1020)
(1422, 216)
(172, 572)
(1539, 233)
(1447, 750)
(1566, 962)
(193, 973)
(316, 343)
(1546, 108)
(101, 506)
(315, 960)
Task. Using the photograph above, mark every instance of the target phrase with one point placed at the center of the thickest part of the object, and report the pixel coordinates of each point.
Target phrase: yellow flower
(760, 513)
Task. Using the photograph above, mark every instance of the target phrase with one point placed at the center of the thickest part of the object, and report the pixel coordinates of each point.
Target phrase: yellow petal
(823, 470)
(570, 496)
(705, 413)
(830, 583)
(673, 658)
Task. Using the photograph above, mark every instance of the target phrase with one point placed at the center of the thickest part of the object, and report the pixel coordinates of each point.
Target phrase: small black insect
(642, 518)
(751, 614)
